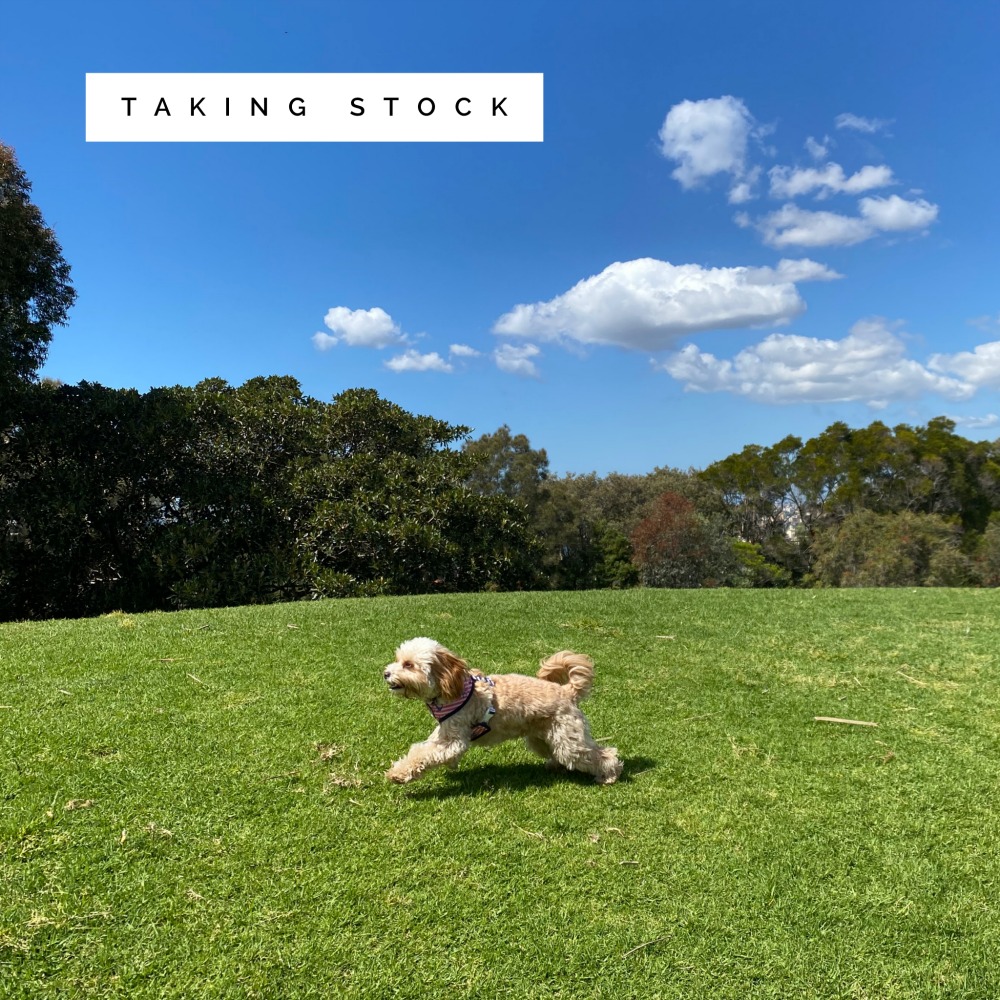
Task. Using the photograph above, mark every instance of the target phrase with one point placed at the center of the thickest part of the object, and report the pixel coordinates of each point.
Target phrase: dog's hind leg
(575, 749)
(539, 746)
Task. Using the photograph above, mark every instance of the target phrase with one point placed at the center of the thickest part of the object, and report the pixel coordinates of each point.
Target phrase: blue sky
(745, 220)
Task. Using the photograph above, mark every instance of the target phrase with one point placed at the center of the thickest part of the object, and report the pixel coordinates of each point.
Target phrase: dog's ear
(449, 672)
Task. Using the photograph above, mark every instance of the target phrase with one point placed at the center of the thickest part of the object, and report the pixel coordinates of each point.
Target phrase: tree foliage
(508, 466)
(396, 508)
(868, 549)
(675, 546)
(579, 522)
(35, 289)
(218, 495)
(83, 486)
(986, 565)
(785, 497)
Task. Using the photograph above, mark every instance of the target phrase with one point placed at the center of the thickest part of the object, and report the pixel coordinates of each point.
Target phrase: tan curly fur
(541, 710)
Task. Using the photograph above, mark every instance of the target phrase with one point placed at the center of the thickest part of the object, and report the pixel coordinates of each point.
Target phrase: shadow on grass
(488, 778)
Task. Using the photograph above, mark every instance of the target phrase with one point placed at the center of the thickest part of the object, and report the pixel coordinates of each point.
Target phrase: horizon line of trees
(874, 506)
(214, 495)
(217, 495)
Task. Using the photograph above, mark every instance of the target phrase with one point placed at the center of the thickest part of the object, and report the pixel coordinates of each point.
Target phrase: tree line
(217, 495)
(874, 506)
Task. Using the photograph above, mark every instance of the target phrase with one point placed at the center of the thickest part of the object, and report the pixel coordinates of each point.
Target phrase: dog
(471, 707)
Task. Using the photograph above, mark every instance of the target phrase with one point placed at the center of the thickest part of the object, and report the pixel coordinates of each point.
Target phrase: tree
(767, 503)
(229, 530)
(589, 519)
(87, 478)
(785, 497)
(35, 289)
(390, 508)
(675, 546)
(987, 558)
(504, 465)
(621, 501)
(868, 549)
(925, 470)
(753, 570)
(219, 495)
(759, 490)
(507, 465)
(588, 555)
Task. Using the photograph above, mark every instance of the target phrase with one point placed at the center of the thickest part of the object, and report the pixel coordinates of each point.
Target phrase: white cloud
(515, 359)
(979, 367)
(709, 137)
(359, 328)
(323, 341)
(895, 214)
(646, 303)
(988, 324)
(743, 191)
(868, 365)
(740, 193)
(795, 271)
(977, 423)
(463, 351)
(816, 149)
(414, 361)
(859, 124)
(793, 226)
(787, 182)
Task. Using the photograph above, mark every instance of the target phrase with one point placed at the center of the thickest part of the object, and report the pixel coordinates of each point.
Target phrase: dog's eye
(408, 664)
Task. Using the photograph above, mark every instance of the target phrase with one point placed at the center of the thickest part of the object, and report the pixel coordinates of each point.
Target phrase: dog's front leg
(424, 756)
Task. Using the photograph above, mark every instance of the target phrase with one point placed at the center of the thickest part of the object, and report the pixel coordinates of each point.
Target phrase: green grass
(192, 805)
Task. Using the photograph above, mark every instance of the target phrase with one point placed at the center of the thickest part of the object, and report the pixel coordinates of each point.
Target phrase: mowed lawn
(192, 805)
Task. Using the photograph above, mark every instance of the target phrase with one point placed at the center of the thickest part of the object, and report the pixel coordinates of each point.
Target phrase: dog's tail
(572, 669)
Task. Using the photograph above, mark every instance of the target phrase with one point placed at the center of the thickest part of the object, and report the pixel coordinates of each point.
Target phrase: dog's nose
(385, 673)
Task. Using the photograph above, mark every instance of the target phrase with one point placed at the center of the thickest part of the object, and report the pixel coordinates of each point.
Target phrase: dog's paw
(398, 776)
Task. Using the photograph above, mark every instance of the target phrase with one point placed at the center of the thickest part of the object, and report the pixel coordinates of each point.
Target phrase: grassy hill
(192, 804)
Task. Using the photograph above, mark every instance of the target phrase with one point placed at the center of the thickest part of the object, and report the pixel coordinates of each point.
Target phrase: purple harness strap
(447, 710)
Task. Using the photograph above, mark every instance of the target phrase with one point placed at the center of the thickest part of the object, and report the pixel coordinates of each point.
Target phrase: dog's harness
(450, 708)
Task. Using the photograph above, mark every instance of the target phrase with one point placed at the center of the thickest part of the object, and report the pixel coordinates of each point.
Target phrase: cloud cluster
(374, 328)
(647, 304)
(978, 423)
(792, 226)
(414, 361)
(897, 215)
(868, 365)
(712, 136)
(989, 324)
(463, 351)
(816, 149)
(789, 182)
